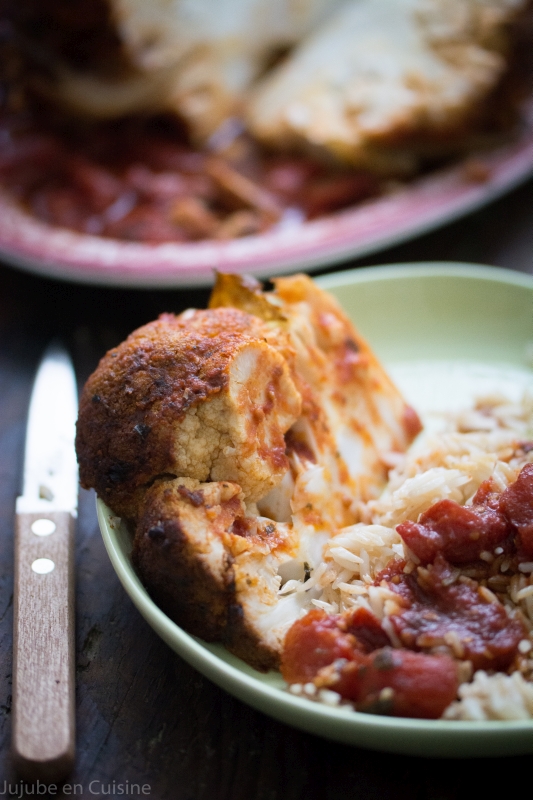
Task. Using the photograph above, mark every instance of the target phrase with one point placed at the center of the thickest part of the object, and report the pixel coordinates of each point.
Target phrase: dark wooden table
(143, 715)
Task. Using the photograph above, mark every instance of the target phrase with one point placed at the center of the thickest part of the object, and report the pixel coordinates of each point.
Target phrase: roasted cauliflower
(236, 441)
(384, 84)
(202, 396)
(380, 84)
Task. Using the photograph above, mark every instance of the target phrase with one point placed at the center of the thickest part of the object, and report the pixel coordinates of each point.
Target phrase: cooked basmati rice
(497, 696)
(484, 442)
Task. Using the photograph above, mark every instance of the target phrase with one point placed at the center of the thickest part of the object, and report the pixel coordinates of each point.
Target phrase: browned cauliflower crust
(237, 442)
(202, 395)
(195, 547)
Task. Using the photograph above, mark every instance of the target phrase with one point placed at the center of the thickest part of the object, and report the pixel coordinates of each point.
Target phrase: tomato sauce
(351, 655)
(439, 609)
(140, 180)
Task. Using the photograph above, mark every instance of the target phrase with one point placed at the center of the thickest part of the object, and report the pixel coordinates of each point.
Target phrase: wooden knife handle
(43, 737)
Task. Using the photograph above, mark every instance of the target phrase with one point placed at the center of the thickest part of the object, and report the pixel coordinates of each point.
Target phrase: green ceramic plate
(446, 332)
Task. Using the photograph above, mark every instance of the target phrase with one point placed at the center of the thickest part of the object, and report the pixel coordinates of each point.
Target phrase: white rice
(497, 696)
(481, 443)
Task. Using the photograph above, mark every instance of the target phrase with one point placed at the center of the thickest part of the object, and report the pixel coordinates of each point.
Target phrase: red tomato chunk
(318, 639)
(441, 610)
(349, 654)
(516, 503)
(460, 533)
(396, 682)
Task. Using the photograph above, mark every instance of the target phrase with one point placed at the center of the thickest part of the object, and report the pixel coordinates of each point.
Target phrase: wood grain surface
(43, 726)
(144, 717)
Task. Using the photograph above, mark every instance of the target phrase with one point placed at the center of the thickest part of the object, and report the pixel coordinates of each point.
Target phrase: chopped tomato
(460, 533)
(487, 495)
(313, 642)
(349, 654)
(318, 639)
(366, 628)
(516, 503)
(419, 685)
(330, 193)
(439, 610)
(100, 188)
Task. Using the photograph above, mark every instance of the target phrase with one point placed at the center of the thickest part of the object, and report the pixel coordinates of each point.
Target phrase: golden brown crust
(182, 584)
(194, 419)
(182, 551)
(141, 389)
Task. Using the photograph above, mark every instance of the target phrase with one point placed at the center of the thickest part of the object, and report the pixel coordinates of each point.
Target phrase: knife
(43, 733)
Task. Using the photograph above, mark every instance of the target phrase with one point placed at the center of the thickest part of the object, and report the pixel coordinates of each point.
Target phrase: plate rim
(435, 738)
(427, 203)
(430, 269)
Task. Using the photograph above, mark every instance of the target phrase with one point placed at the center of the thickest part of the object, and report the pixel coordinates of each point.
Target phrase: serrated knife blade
(43, 735)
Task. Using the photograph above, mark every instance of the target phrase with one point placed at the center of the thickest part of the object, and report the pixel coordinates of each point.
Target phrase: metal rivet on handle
(42, 566)
(43, 527)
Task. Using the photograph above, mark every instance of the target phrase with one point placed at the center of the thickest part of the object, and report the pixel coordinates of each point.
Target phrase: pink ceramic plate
(422, 205)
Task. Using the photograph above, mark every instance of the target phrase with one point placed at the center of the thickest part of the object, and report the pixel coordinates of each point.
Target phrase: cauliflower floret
(202, 396)
(213, 568)
(352, 415)
(196, 59)
(384, 84)
(237, 443)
